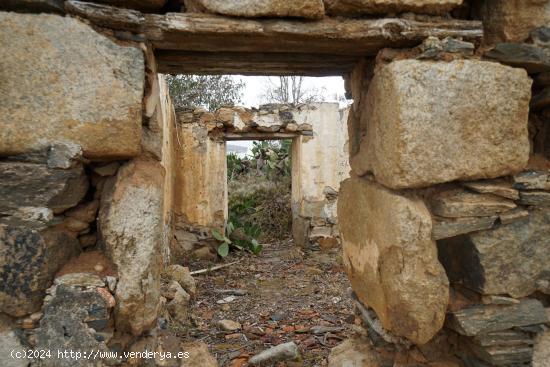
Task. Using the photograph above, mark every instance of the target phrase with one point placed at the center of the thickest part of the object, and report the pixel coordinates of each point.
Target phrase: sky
(330, 87)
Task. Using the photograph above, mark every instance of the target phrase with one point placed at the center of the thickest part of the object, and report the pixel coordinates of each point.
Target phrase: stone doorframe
(319, 163)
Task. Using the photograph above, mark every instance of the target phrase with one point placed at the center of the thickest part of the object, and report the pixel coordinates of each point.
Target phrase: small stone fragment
(64, 155)
(108, 169)
(80, 279)
(183, 276)
(229, 325)
(282, 352)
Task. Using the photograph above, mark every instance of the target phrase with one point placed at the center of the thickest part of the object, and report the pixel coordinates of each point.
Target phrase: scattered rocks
(459, 203)
(178, 307)
(511, 259)
(229, 325)
(183, 276)
(131, 227)
(312, 9)
(80, 279)
(282, 352)
(436, 137)
(391, 259)
(87, 89)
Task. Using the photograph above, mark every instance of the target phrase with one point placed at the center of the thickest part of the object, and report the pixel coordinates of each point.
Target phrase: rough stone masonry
(444, 220)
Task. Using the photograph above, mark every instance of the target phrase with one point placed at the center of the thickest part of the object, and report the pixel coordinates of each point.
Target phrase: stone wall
(319, 164)
(86, 187)
(449, 241)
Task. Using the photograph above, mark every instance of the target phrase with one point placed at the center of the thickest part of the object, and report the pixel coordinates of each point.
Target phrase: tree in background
(290, 89)
(208, 91)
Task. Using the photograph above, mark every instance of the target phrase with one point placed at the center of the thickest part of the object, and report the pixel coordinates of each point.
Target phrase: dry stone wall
(469, 187)
(86, 184)
(445, 236)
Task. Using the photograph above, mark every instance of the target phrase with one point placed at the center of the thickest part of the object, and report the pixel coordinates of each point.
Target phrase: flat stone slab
(451, 227)
(485, 319)
(538, 198)
(458, 203)
(86, 89)
(511, 259)
(522, 55)
(420, 132)
(499, 187)
(532, 180)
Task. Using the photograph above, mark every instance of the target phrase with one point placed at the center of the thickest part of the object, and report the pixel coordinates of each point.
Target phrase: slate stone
(458, 203)
(499, 187)
(483, 319)
(29, 260)
(451, 227)
(37, 185)
(532, 180)
(503, 355)
(67, 324)
(513, 215)
(510, 259)
(532, 58)
(538, 198)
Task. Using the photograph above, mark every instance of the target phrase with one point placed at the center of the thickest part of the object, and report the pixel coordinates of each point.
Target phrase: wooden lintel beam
(265, 135)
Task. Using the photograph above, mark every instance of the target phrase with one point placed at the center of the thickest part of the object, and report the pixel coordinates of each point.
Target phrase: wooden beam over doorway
(207, 43)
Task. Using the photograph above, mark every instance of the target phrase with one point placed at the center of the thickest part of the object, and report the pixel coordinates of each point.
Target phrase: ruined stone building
(443, 212)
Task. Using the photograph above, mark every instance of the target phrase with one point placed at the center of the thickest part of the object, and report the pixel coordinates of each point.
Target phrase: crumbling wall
(319, 164)
(85, 198)
(444, 218)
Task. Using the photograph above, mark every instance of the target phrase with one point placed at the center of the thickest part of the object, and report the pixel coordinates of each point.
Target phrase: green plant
(237, 238)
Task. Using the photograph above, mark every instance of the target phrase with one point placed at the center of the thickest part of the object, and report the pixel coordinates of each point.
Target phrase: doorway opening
(263, 180)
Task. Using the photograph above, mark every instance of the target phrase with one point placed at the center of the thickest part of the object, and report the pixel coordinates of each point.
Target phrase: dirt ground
(282, 295)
